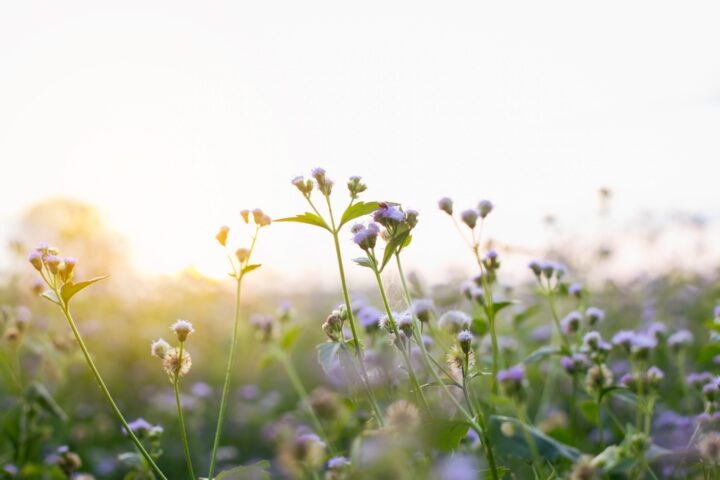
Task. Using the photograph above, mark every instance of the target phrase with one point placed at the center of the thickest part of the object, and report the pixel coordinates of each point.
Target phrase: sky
(173, 116)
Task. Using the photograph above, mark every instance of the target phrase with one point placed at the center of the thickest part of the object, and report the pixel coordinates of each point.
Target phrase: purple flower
(570, 324)
(624, 338)
(575, 289)
(515, 374)
(657, 330)
(366, 237)
(592, 340)
(388, 215)
(536, 267)
(369, 317)
(446, 205)
(576, 363)
(698, 380)
(338, 463)
(457, 467)
(680, 339)
(454, 321)
(139, 427)
(484, 208)
(717, 311)
(422, 308)
(35, 258)
(469, 217)
(594, 315)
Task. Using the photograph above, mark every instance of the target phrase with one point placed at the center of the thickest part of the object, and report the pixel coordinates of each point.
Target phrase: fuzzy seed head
(173, 365)
(182, 329)
(160, 348)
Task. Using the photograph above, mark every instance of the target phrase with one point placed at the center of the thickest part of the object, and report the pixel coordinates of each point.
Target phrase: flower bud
(570, 324)
(305, 187)
(53, 263)
(35, 259)
(159, 348)
(446, 205)
(465, 340)
(242, 254)
(355, 186)
(594, 315)
(245, 214)
(535, 267)
(484, 208)
(222, 235)
(469, 217)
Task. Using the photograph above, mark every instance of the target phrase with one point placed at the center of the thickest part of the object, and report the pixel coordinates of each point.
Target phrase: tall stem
(66, 311)
(226, 383)
(481, 430)
(183, 433)
(304, 397)
(351, 319)
(408, 365)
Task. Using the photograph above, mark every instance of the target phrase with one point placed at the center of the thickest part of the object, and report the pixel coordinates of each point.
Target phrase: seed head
(402, 416)
(222, 235)
(709, 448)
(173, 365)
(182, 329)
(159, 348)
(598, 377)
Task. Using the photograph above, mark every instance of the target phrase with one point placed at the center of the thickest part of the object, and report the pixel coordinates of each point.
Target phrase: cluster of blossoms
(175, 360)
(54, 269)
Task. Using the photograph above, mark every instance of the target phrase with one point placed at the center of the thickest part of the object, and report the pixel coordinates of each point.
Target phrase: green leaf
(251, 267)
(517, 445)
(621, 393)
(327, 353)
(363, 262)
(268, 358)
(589, 410)
(394, 244)
(542, 353)
(498, 306)
(308, 218)
(50, 295)
(256, 471)
(358, 210)
(42, 397)
(71, 288)
(444, 435)
(500, 470)
(290, 336)
(479, 326)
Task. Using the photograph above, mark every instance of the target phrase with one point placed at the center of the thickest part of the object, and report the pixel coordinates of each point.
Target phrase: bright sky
(172, 116)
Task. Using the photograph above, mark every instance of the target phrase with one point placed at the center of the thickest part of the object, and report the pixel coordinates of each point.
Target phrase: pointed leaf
(497, 306)
(308, 218)
(50, 295)
(363, 262)
(392, 246)
(256, 471)
(71, 288)
(43, 398)
(358, 210)
(445, 435)
(251, 267)
(542, 353)
(513, 440)
(290, 336)
(327, 354)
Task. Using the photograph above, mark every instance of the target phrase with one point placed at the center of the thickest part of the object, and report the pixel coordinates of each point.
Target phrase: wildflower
(389, 216)
(336, 468)
(304, 186)
(576, 289)
(446, 205)
(182, 329)
(457, 467)
(174, 365)
(422, 308)
(222, 235)
(472, 292)
(52, 262)
(159, 348)
(598, 378)
(535, 267)
(513, 381)
(411, 217)
(655, 376)
(402, 416)
(570, 324)
(592, 340)
(245, 214)
(658, 330)
(355, 186)
(369, 317)
(405, 323)
(594, 315)
(140, 427)
(679, 340)
(465, 340)
(37, 286)
(454, 321)
(366, 237)
(68, 268)
(711, 391)
(456, 358)
(324, 184)
(35, 258)
(548, 269)
(469, 217)
(709, 448)
(699, 380)
(309, 449)
(484, 208)
(642, 345)
(624, 339)
(264, 325)
(491, 261)
(325, 403)
(576, 363)
(716, 311)
(242, 254)
(67, 460)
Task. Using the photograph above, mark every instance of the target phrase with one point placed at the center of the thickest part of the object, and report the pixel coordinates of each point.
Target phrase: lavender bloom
(592, 340)
(717, 312)
(369, 317)
(680, 339)
(465, 340)
(594, 315)
(454, 321)
(388, 216)
(338, 463)
(513, 381)
(577, 363)
(422, 308)
(457, 467)
(536, 267)
(541, 334)
(698, 380)
(643, 345)
(139, 427)
(657, 330)
(570, 324)
(624, 338)
(575, 289)
(366, 237)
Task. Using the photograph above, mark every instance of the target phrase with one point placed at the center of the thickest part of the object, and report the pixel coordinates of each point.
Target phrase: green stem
(304, 397)
(481, 430)
(408, 365)
(105, 391)
(183, 433)
(522, 415)
(226, 383)
(351, 319)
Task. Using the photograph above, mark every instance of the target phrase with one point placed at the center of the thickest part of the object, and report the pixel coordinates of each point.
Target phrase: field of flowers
(413, 379)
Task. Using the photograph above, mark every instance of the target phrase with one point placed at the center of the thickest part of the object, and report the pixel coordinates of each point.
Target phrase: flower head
(446, 205)
(484, 208)
(366, 236)
(422, 308)
(469, 217)
(35, 258)
(513, 381)
(570, 324)
(355, 187)
(182, 329)
(402, 416)
(594, 315)
(680, 339)
(174, 365)
(305, 186)
(597, 378)
(465, 339)
(159, 348)
(222, 235)
(454, 321)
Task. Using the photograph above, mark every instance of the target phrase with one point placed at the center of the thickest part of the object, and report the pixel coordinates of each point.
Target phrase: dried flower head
(159, 348)
(182, 329)
(709, 448)
(174, 366)
(402, 416)
(598, 378)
